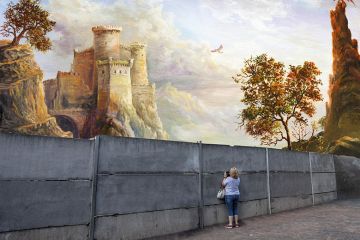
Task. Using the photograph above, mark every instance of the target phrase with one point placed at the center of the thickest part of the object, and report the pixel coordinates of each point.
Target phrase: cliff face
(132, 120)
(22, 103)
(342, 129)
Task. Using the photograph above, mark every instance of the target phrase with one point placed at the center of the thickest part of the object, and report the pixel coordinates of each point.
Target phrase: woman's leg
(229, 205)
(235, 206)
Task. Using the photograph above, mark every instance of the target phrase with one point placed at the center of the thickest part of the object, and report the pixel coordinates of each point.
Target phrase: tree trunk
(288, 137)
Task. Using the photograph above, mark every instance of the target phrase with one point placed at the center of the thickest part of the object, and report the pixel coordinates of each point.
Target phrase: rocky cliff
(125, 119)
(22, 103)
(342, 130)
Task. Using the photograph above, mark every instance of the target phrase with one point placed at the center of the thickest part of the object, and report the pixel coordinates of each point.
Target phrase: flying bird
(218, 50)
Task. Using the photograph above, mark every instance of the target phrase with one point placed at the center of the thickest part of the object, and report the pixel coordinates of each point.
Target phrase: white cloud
(258, 13)
(188, 118)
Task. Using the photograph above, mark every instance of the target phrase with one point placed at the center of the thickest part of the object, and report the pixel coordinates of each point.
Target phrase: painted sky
(180, 35)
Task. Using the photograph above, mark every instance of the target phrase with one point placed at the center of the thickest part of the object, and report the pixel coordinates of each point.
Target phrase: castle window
(114, 71)
(103, 72)
(120, 71)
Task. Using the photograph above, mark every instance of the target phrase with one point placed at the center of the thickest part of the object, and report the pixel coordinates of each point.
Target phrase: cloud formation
(259, 13)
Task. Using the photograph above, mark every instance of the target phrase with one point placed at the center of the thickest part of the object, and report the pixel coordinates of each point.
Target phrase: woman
(232, 194)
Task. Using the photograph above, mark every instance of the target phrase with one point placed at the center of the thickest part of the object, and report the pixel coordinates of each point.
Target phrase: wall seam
(94, 188)
(268, 180)
(311, 180)
(201, 190)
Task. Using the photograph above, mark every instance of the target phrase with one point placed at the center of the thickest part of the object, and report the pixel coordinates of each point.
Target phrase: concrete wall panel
(30, 157)
(325, 197)
(216, 214)
(37, 204)
(145, 155)
(145, 225)
(347, 176)
(290, 184)
(290, 161)
(322, 162)
(324, 182)
(218, 158)
(288, 203)
(56, 233)
(252, 186)
(120, 194)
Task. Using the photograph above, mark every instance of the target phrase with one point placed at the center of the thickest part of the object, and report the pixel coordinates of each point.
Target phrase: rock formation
(22, 102)
(342, 128)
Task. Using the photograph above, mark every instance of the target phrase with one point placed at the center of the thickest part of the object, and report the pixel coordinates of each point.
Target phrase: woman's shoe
(237, 225)
(228, 226)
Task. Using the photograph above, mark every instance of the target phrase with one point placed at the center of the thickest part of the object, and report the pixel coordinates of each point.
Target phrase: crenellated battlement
(66, 74)
(124, 63)
(85, 52)
(137, 45)
(102, 28)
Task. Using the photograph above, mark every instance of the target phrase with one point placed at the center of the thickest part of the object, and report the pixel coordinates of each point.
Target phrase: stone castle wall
(72, 91)
(84, 65)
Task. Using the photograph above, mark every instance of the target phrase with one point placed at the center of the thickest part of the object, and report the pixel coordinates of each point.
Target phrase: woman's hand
(225, 175)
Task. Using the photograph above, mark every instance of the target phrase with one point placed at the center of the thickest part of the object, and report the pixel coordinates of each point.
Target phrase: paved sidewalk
(339, 220)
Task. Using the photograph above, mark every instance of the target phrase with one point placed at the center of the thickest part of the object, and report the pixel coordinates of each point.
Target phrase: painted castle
(107, 90)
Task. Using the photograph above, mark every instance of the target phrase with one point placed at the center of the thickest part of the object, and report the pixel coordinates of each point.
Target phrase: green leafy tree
(276, 99)
(27, 20)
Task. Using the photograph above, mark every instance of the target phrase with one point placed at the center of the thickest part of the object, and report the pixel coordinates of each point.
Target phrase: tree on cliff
(277, 100)
(27, 20)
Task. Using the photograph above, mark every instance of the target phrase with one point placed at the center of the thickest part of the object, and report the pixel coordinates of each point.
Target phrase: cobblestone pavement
(338, 220)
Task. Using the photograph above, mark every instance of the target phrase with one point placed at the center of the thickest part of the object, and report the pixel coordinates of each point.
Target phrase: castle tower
(106, 42)
(139, 70)
(114, 85)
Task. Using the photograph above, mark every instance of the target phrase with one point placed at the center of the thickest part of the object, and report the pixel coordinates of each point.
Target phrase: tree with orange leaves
(275, 99)
(27, 20)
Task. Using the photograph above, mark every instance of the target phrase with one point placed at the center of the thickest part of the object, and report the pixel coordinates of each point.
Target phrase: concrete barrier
(251, 163)
(127, 188)
(347, 176)
(45, 185)
(146, 188)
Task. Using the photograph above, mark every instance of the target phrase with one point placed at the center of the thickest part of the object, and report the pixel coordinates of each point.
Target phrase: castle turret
(114, 85)
(139, 70)
(106, 42)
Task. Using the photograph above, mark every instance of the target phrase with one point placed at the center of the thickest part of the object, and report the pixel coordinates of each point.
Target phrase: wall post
(94, 187)
(201, 190)
(311, 180)
(268, 180)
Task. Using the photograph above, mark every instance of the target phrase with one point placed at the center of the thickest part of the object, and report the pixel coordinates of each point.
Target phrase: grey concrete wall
(323, 177)
(45, 185)
(143, 188)
(251, 163)
(347, 176)
(146, 188)
(290, 180)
